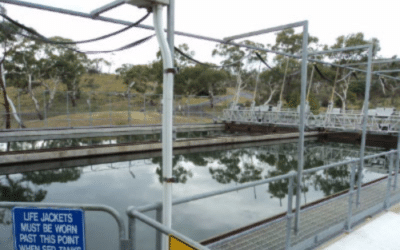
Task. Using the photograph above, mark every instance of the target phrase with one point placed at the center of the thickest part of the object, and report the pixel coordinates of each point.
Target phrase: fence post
(90, 109)
(129, 108)
(397, 161)
(289, 214)
(131, 232)
(44, 109)
(188, 107)
(68, 117)
(109, 104)
(158, 233)
(144, 108)
(213, 111)
(387, 199)
(351, 192)
(19, 106)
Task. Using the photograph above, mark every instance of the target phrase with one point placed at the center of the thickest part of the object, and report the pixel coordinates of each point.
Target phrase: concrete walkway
(379, 232)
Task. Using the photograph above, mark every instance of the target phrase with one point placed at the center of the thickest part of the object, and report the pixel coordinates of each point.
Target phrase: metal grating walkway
(313, 220)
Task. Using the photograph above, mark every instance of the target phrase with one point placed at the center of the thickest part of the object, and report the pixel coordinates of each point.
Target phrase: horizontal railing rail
(161, 228)
(291, 175)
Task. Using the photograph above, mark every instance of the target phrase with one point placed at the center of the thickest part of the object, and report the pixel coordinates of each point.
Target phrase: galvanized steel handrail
(87, 207)
(164, 229)
(153, 206)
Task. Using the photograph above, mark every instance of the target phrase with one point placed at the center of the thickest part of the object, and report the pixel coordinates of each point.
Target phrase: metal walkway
(350, 121)
(315, 222)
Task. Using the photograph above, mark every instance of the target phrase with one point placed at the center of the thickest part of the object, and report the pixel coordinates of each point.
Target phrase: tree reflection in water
(253, 164)
(18, 188)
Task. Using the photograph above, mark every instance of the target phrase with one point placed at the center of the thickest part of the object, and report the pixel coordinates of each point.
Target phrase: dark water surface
(123, 183)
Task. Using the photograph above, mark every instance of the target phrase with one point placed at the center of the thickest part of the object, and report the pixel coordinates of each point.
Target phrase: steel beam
(387, 71)
(350, 68)
(265, 31)
(364, 126)
(302, 124)
(373, 62)
(338, 50)
(95, 13)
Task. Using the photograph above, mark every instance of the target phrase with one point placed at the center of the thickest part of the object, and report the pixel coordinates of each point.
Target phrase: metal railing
(341, 121)
(137, 212)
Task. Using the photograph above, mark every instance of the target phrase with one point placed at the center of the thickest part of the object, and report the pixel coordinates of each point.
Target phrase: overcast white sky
(219, 19)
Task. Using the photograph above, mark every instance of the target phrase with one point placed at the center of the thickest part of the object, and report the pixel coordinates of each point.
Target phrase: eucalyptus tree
(352, 56)
(9, 38)
(23, 69)
(136, 77)
(287, 74)
(68, 66)
(201, 80)
(239, 62)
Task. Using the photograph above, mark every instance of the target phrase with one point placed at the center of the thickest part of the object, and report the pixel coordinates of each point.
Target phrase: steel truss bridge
(351, 121)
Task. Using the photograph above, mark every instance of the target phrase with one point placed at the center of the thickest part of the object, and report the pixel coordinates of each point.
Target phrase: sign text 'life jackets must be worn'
(48, 229)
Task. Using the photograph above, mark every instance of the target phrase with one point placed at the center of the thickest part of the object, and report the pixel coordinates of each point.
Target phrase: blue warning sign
(48, 229)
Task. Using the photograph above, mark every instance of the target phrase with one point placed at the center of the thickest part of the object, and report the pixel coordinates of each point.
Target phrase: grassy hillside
(101, 102)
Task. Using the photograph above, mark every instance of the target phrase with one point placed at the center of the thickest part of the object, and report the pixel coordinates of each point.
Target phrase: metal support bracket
(170, 180)
(172, 70)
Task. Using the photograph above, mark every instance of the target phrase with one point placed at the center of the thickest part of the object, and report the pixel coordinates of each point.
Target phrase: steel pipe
(166, 230)
(302, 124)
(166, 119)
(265, 31)
(365, 120)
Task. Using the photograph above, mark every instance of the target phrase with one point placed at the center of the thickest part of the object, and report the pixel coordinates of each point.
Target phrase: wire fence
(68, 109)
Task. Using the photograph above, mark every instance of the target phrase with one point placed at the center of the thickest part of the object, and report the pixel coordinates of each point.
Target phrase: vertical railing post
(304, 60)
(45, 109)
(131, 232)
(397, 161)
(351, 193)
(364, 125)
(389, 183)
(158, 233)
(289, 214)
